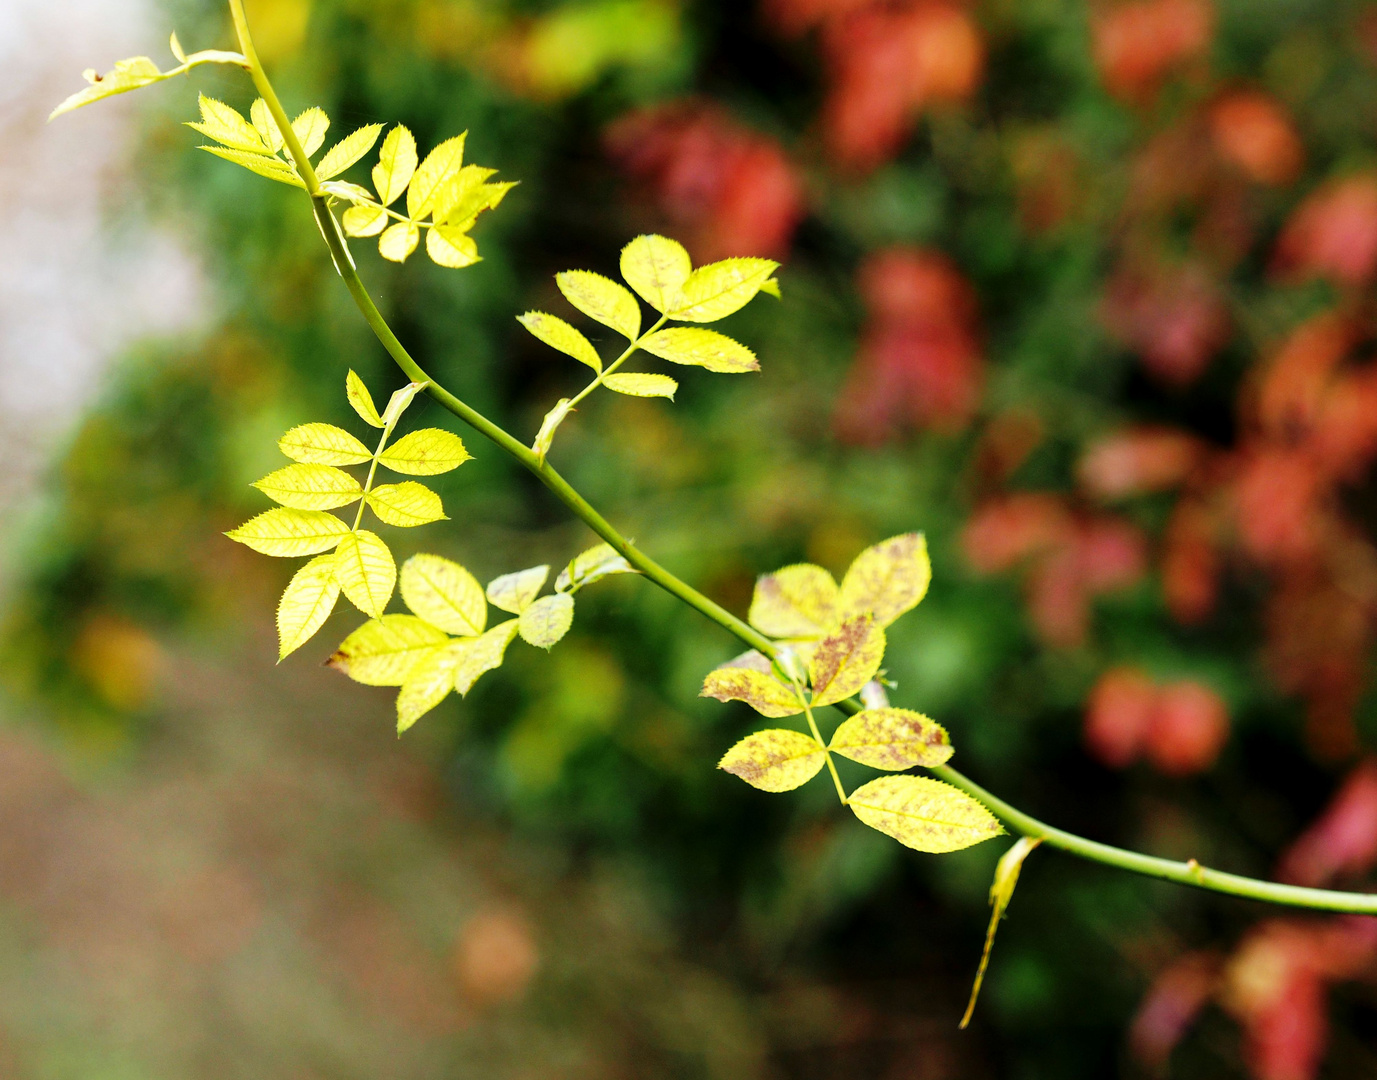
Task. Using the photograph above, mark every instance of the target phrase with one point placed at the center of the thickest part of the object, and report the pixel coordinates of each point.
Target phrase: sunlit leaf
(656, 267)
(270, 167)
(431, 175)
(174, 43)
(697, 347)
(776, 760)
(887, 579)
(265, 125)
(310, 487)
(396, 163)
(714, 291)
(548, 426)
(306, 603)
(400, 401)
(763, 693)
(445, 594)
(846, 660)
(365, 571)
(126, 75)
(483, 654)
(451, 248)
(364, 220)
(798, 601)
(892, 739)
(592, 565)
(399, 240)
(323, 444)
(347, 151)
(427, 452)
(1001, 892)
(349, 191)
(382, 652)
(558, 334)
(641, 384)
(514, 592)
(924, 814)
(310, 128)
(360, 398)
(406, 505)
(546, 621)
(601, 299)
(771, 287)
(286, 533)
(463, 195)
(428, 683)
(226, 126)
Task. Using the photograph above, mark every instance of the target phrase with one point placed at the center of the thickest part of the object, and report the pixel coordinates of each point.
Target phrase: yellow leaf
(364, 220)
(306, 603)
(399, 240)
(924, 814)
(892, 739)
(323, 444)
(514, 592)
(428, 683)
(1001, 892)
(360, 398)
(463, 195)
(846, 660)
(271, 167)
(701, 348)
(444, 594)
(763, 693)
(771, 287)
(887, 579)
(427, 452)
(347, 151)
(451, 248)
(287, 533)
(601, 299)
(226, 126)
(431, 175)
(396, 163)
(641, 384)
(798, 601)
(592, 565)
(482, 654)
(400, 401)
(548, 426)
(406, 505)
(127, 75)
(546, 621)
(365, 571)
(310, 487)
(656, 267)
(558, 334)
(310, 128)
(714, 291)
(382, 652)
(175, 45)
(775, 760)
(349, 191)
(265, 125)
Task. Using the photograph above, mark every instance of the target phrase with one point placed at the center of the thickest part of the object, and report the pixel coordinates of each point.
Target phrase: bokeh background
(1083, 290)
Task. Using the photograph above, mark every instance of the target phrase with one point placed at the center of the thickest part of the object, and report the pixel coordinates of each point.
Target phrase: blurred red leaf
(1278, 496)
(1294, 382)
(1172, 316)
(1253, 131)
(1138, 460)
(1136, 44)
(1333, 234)
(1343, 840)
(1190, 725)
(1005, 531)
(1190, 562)
(1176, 996)
(1118, 716)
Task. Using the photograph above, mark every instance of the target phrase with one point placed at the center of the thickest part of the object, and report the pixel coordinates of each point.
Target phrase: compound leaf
(656, 267)
(547, 620)
(347, 151)
(763, 693)
(428, 683)
(892, 739)
(714, 291)
(451, 247)
(364, 220)
(360, 398)
(382, 652)
(406, 505)
(310, 128)
(641, 384)
(399, 240)
(430, 176)
(271, 167)
(287, 533)
(226, 126)
(1001, 892)
(558, 334)
(601, 299)
(365, 571)
(396, 164)
(306, 603)
(310, 487)
(775, 760)
(443, 593)
(482, 654)
(798, 601)
(323, 444)
(887, 579)
(592, 565)
(697, 347)
(515, 592)
(427, 452)
(846, 660)
(924, 814)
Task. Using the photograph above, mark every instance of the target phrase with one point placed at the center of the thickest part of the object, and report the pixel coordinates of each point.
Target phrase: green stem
(826, 753)
(372, 472)
(1187, 873)
(612, 367)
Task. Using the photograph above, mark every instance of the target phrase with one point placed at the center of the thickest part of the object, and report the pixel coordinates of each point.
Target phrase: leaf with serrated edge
(443, 593)
(846, 660)
(398, 241)
(558, 334)
(775, 760)
(428, 683)
(924, 814)
(464, 195)
(323, 444)
(270, 167)
(406, 505)
(427, 452)
(515, 592)
(714, 291)
(546, 621)
(887, 579)
(592, 565)
(1001, 892)
(310, 128)
(601, 299)
(310, 487)
(347, 151)
(364, 220)
(798, 601)
(361, 399)
(306, 603)
(696, 347)
(430, 176)
(226, 126)
(383, 651)
(892, 739)
(656, 267)
(365, 571)
(287, 533)
(482, 654)
(763, 693)
(451, 248)
(641, 384)
(129, 74)
(265, 125)
(396, 163)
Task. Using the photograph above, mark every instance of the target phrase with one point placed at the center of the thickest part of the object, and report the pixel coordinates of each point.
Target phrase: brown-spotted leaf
(887, 579)
(924, 814)
(797, 601)
(763, 693)
(776, 760)
(892, 739)
(846, 660)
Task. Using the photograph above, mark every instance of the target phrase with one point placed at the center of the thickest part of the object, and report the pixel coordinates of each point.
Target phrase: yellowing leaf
(364, 220)
(763, 693)
(396, 163)
(846, 660)
(714, 291)
(892, 739)
(547, 620)
(443, 593)
(641, 384)
(323, 444)
(226, 126)
(360, 398)
(602, 299)
(428, 683)
(451, 248)
(287, 533)
(924, 814)
(464, 194)
(406, 505)
(776, 760)
(548, 426)
(347, 151)
(887, 579)
(399, 240)
(798, 601)
(382, 652)
(427, 452)
(310, 487)
(306, 603)
(310, 128)
(271, 167)
(482, 654)
(400, 401)
(656, 267)
(430, 176)
(771, 287)
(365, 571)
(592, 565)
(265, 125)
(558, 334)
(349, 191)
(701, 348)
(126, 75)
(514, 592)
(1001, 892)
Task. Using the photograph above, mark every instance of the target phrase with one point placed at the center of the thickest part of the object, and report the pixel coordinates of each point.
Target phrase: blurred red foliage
(1137, 44)
(1343, 841)
(1180, 727)
(1332, 234)
(1138, 460)
(1253, 132)
(1172, 1003)
(1171, 315)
